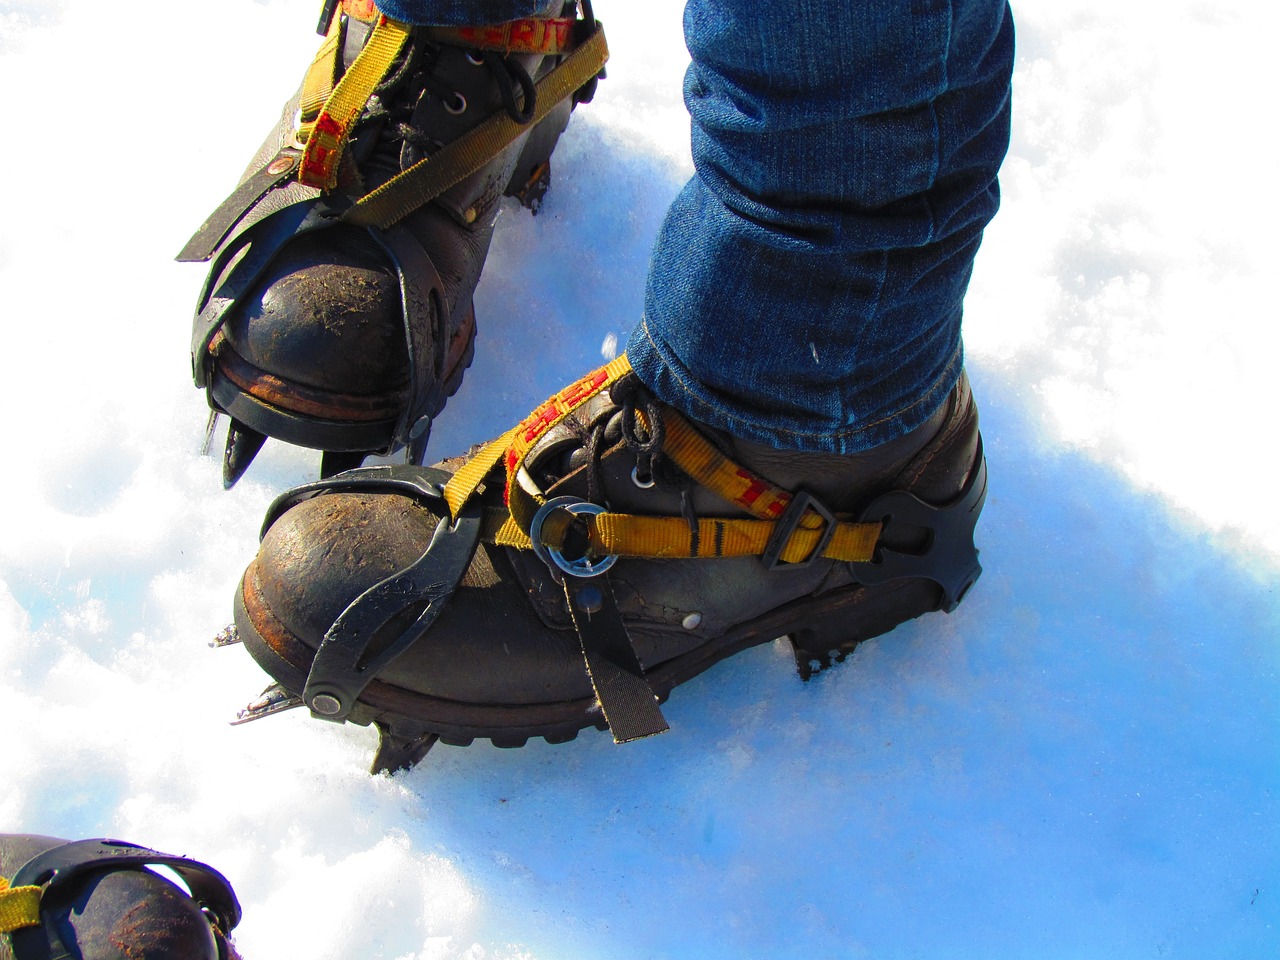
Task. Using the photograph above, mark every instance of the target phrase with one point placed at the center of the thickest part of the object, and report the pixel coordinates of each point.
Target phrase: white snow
(1080, 762)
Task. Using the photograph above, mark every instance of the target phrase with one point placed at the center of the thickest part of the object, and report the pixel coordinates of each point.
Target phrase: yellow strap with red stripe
(552, 36)
(511, 447)
(19, 907)
(329, 108)
(326, 136)
(458, 159)
(627, 535)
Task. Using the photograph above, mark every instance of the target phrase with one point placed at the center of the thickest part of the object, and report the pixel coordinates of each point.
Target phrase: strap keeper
(802, 501)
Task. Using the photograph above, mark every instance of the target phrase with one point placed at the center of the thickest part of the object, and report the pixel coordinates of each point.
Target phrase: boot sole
(833, 625)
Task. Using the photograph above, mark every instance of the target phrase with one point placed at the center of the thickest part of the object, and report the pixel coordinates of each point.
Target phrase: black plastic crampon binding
(59, 869)
(341, 668)
(947, 555)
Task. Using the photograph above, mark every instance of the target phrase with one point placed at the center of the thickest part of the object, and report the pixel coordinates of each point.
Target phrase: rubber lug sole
(834, 624)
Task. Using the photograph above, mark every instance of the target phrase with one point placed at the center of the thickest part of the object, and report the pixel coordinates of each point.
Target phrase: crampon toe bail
(337, 313)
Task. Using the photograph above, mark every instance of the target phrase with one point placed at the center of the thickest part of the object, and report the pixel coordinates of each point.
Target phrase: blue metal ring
(554, 559)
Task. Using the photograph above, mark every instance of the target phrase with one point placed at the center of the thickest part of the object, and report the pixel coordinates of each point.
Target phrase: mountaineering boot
(337, 313)
(92, 900)
(577, 569)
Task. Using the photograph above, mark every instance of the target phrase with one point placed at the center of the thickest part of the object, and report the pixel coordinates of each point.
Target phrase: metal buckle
(554, 559)
(802, 501)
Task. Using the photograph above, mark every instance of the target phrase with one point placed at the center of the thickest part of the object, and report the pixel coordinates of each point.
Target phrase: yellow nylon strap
(317, 85)
(457, 160)
(631, 536)
(626, 535)
(464, 483)
(697, 457)
(19, 907)
(551, 36)
(512, 446)
(327, 136)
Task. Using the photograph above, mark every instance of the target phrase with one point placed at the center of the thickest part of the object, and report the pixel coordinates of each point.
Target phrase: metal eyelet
(456, 104)
(554, 559)
(475, 58)
(642, 484)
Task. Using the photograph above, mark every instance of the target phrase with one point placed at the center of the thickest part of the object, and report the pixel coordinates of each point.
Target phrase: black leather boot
(575, 571)
(338, 309)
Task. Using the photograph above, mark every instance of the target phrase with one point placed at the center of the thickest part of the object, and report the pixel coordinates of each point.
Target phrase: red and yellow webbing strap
(627, 535)
(19, 907)
(550, 36)
(329, 110)
(546, 35)
(668, 537)
(326, 136)
(511, 447)
(457, 160)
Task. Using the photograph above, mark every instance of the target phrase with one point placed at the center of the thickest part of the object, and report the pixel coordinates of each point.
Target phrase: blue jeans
(806, 287)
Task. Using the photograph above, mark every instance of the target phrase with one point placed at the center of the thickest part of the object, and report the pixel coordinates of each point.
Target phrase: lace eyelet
(475, 58)
(456, 104)
(644, 484)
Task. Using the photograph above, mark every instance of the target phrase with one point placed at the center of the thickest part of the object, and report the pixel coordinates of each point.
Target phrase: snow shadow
(1079, 761)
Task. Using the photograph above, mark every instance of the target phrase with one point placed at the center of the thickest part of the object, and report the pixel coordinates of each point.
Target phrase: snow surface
(1080, 762)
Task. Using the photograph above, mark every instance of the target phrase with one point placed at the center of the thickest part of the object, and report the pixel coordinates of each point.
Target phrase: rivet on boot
(590, 600)
(326, 704)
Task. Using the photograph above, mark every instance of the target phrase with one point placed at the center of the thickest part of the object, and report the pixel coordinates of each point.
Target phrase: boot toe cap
(325, 315)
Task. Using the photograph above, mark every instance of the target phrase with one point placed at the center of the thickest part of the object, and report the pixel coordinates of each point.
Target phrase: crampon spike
(243, 445)
(809, 662)
(227, 636)
(210, 430)
(274, 699)
(396, 752)
(335, 461)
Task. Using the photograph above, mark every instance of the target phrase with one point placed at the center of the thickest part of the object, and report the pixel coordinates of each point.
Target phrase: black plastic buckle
(326, 17)
(802, 501)
(947, 555)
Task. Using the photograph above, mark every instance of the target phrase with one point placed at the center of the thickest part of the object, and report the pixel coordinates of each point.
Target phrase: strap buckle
(583, 566)
(802, 501)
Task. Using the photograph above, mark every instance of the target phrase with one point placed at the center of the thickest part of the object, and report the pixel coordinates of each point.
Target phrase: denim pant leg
(805, 289)
(462, 13)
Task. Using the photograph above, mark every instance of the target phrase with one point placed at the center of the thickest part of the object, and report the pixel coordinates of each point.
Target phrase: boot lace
(394, 100)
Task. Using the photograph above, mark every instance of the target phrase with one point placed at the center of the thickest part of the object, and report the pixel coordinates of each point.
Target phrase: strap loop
(802, 501)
